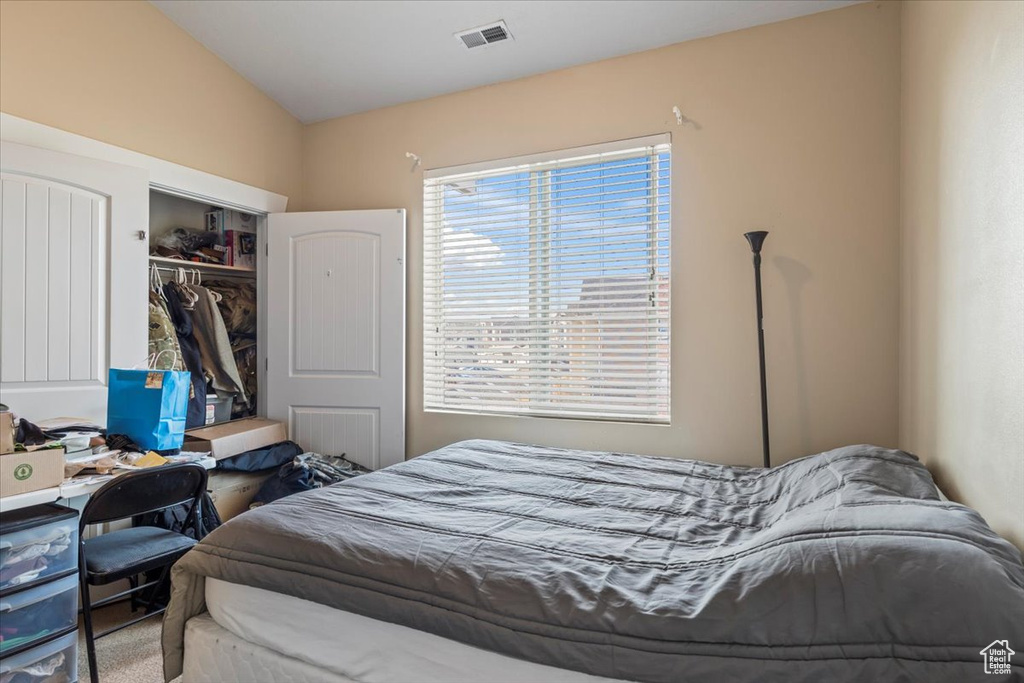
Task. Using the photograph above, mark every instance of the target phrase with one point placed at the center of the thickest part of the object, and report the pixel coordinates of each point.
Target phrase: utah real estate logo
(997, 657)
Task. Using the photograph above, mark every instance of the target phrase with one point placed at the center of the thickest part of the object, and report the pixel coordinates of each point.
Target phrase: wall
(797, 132)
(123, 73)
(962, 312)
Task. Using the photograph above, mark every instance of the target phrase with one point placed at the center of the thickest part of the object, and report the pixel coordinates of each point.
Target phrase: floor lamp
(756, 239)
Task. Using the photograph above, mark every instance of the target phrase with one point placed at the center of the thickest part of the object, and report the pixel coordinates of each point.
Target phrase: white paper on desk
(83, 456)
(65, 422)
(78, 442)
(89, 479)
(88, 456)
(81, 434)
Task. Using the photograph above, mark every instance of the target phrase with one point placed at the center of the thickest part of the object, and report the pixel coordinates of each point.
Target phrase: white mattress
(356, 648)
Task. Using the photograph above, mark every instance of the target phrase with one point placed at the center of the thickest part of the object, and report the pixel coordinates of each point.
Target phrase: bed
(497, 561)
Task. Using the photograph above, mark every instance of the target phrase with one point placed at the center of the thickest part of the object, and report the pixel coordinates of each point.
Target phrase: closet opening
(204, 305)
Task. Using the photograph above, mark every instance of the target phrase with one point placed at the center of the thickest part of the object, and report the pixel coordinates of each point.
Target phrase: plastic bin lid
(31, 517)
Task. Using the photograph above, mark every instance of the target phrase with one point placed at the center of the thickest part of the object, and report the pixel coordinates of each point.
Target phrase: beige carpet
(131, 655)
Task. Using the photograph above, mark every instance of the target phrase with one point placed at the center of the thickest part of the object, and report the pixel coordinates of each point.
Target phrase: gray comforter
(843, 566)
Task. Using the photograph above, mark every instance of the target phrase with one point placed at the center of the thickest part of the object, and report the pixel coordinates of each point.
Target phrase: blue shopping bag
(148, 406)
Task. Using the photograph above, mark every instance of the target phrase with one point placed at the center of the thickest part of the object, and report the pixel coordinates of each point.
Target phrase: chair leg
(133, 582)
(90, 641)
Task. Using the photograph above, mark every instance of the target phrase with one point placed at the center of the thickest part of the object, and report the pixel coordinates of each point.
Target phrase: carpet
(131, 655)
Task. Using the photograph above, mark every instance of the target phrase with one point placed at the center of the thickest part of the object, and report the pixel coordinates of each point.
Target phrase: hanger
(155, 281)
(197, 280)
(191, 297)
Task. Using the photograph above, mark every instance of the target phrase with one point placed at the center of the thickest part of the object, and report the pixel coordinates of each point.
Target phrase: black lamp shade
(756, 239)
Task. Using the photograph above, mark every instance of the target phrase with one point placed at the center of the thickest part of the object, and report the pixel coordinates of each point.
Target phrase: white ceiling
(321, 59)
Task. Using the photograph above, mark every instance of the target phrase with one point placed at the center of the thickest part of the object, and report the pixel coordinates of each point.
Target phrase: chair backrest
(140, 491)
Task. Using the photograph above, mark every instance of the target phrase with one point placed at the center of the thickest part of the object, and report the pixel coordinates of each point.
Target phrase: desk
(69, 489)
(24, 500)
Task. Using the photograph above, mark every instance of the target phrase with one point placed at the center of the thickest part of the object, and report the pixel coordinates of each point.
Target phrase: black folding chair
(129, 553)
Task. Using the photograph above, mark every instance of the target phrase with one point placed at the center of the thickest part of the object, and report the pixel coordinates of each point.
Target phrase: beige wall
(798, 134)
(962, 313)
(123, 73)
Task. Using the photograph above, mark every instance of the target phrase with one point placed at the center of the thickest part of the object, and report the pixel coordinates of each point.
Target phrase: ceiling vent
(484, 35)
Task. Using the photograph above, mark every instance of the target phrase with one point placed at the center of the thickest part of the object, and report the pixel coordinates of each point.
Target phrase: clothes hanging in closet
(238, 308)
(245, 359)
(163, 338)
(196, 416)
(215, 346)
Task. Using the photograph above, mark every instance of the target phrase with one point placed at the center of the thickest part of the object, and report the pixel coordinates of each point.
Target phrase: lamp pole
(756, 239)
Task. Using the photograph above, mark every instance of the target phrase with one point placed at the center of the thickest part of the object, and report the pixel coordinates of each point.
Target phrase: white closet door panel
(37, 284)
(58, 304)
(336, 287)
(81, 323)
(51, 248)
(303, 308)
(336, 430)
(12, 295)
(98, 271)
(63, 219)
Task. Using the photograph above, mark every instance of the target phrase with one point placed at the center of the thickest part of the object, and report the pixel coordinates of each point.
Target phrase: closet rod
(212, 275)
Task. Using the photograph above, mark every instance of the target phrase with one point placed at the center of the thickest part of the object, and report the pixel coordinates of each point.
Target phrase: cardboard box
(6, 431)
(232, 492)
(239, 221)
(215, 220)
(238, 436)
(241, 249)
(222, 220)
(23, 472)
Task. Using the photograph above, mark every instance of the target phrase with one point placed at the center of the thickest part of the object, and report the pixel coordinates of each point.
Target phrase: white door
(72, 279)
(336, 332)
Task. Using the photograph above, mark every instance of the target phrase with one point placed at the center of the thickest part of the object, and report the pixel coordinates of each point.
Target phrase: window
(546, 284)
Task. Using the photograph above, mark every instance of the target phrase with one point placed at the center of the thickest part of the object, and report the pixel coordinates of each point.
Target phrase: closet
(86, 231)
(197, 247)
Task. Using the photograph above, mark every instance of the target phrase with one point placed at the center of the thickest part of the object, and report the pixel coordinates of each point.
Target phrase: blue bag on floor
(148, 406)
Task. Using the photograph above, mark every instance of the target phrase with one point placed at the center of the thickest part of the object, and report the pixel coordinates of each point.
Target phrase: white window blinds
(546, 284)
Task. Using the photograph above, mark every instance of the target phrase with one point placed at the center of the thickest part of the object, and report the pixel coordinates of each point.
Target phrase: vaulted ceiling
(331, 58)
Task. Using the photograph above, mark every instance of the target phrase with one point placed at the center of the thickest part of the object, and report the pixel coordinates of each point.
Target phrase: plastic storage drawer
(35, 614)
(37, 544)
(218, 408)
(55, 661)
